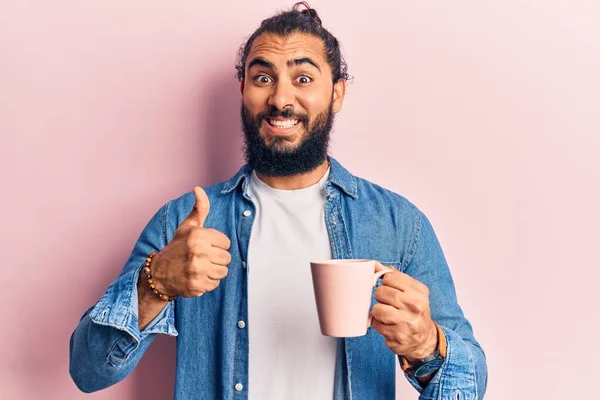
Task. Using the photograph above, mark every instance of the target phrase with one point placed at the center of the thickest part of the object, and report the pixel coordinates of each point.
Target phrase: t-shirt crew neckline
(303, 194)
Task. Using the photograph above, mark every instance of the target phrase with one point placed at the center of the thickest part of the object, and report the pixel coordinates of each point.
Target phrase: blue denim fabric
(364, 220)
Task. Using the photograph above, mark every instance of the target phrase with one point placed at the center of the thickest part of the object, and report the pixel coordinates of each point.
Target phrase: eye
(304, 79)
(262, 79)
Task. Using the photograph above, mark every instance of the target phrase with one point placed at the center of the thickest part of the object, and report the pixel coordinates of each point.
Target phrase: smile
(283, 123)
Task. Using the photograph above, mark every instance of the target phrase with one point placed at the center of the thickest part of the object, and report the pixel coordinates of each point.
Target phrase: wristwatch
(426, 366)
(429, 364)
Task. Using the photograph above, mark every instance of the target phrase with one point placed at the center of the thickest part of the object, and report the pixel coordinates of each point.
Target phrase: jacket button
(247, 213)
(244, 264)
(239, 387)
(241, 324)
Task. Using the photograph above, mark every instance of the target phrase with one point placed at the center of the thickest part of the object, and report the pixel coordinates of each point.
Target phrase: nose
(282, 95)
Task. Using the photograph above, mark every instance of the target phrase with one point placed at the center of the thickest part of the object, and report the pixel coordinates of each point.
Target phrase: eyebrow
(303, 60)
(295, 62)
(262, 62)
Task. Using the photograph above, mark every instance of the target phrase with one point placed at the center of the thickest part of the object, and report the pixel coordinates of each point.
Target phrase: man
(226, 269)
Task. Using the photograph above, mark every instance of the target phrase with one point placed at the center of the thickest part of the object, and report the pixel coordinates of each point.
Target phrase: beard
(276, 159)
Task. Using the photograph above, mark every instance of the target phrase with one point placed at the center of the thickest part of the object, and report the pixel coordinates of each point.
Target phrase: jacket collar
(338, 176)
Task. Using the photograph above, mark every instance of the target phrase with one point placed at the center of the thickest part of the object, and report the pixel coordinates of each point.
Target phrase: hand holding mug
(403, 316)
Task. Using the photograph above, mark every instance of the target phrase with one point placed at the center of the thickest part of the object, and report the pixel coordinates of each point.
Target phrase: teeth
(288, 123)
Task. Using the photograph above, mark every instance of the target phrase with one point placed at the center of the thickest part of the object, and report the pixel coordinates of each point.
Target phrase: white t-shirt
(289, 357)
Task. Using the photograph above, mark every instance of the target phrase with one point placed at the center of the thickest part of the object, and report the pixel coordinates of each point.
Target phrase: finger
(201, 207)
(218, 239)
(219, 256)
(212, 284)
(414, 302)
(380, 327)
(404, 323)
(385, 314)
(217, 272)
(403, 282)
(385, 330)
(390, 296)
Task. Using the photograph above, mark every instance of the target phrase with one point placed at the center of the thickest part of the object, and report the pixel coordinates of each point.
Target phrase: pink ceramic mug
(343, 290)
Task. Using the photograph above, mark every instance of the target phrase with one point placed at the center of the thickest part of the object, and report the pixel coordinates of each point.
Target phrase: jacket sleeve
(107, 343)
(464, 372)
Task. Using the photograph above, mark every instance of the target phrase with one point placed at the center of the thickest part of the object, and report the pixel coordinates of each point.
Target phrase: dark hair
(289, 22)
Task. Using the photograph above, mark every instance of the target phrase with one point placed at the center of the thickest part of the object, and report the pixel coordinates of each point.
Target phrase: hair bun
(308, 11)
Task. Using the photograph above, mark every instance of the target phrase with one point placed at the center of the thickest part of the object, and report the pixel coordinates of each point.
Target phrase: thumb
(201, 207)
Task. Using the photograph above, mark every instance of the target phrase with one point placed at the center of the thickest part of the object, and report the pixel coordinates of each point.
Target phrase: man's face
(288, 104)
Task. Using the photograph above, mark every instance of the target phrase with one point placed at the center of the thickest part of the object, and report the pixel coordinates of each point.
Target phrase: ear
(242, 87)
(339, 91)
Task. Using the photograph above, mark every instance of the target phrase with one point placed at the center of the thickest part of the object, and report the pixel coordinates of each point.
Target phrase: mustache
(273, 112)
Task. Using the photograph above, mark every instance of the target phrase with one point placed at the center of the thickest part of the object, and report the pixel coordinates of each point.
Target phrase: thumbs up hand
(196, 259)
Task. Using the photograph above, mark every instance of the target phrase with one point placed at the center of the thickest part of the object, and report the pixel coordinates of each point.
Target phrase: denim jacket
(364, 220)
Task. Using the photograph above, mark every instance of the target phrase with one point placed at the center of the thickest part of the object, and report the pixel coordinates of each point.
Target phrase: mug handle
(376, 277)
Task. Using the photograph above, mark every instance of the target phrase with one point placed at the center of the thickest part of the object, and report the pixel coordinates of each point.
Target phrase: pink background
(485, 114)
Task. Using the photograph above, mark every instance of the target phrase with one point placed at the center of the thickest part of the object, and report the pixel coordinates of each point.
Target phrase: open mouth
(282, 123)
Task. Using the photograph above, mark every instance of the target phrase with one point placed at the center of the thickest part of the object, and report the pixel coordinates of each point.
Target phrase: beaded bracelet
(146, 269)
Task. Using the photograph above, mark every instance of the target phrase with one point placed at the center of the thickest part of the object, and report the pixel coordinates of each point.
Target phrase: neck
(297, 181)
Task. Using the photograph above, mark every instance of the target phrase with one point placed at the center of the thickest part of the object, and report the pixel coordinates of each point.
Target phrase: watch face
(429, 368)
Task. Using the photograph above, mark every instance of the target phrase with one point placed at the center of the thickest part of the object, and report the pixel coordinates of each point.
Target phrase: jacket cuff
(455, 377)
(118, 308)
